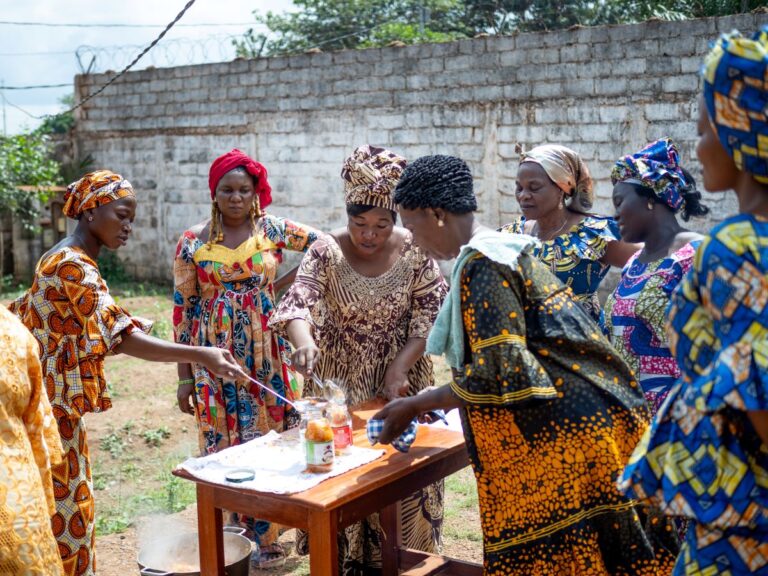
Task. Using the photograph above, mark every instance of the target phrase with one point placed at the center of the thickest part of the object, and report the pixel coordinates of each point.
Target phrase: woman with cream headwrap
(554, 191)
(706, 455)
(359, 313)
(71, 313)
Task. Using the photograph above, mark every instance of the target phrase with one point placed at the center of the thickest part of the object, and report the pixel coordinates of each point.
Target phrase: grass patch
(173, 495)
(156, 436)
(461, 516)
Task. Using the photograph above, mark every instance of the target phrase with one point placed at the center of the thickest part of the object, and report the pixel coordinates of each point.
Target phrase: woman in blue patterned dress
(554, 191)
(650, 188)
(706, 454)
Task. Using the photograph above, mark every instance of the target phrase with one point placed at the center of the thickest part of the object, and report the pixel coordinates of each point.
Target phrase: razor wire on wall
(169, 53)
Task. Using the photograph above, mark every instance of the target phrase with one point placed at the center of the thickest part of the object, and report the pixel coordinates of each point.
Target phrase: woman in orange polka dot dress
(550, 413)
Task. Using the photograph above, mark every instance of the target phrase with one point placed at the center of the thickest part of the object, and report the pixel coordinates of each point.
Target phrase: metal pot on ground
(179, 555)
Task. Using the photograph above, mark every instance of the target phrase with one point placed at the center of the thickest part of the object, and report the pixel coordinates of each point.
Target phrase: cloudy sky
(34, 55)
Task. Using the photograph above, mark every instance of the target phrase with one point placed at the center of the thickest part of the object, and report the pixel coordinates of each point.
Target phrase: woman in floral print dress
(224, 276)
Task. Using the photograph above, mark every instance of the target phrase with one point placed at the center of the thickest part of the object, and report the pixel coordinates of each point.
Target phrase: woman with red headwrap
(224, 276)
(76, 323)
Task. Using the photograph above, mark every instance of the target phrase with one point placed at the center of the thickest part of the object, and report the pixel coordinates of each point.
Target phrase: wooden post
(323, 544)
(210, 533)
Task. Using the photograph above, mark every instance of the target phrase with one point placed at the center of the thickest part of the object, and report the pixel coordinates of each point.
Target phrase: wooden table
(340, 501)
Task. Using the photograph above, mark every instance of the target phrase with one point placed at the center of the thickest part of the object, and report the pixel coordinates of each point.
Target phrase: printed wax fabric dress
(76, 323)
(224, 298)
(635, 318)
(29, 445)
(574, 256)
(360, 324)
(702, 458)
(551, 416)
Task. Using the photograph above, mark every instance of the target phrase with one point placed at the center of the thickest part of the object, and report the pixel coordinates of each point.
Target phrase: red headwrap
(234, 159)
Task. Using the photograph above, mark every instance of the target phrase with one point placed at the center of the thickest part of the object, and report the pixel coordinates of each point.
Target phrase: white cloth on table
(278, 462)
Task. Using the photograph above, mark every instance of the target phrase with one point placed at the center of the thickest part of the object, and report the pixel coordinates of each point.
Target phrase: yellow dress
(29, 445)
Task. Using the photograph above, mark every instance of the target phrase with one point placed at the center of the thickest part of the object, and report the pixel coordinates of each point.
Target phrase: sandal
(272, 556)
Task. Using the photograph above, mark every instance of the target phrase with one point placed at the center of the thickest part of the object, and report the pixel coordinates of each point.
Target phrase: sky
(34, 55)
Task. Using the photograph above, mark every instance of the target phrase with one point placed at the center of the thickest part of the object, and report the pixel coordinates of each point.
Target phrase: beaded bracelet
(186, 381)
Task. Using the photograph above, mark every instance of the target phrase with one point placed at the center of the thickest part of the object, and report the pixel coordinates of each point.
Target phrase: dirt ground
(136, 444)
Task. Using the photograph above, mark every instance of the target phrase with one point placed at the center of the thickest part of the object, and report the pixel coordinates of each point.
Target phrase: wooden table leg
(323, 544)
(209, 533)
(393, 538)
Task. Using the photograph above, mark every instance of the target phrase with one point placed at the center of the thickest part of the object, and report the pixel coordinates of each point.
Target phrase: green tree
(62, 122)
(342, 24)
(25, 161)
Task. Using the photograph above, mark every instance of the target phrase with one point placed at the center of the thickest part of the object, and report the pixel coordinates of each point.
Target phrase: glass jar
(316, 435)
(341, 424)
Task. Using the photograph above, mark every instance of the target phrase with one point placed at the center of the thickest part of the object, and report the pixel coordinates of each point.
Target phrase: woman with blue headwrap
(706, 454)
(650, 188)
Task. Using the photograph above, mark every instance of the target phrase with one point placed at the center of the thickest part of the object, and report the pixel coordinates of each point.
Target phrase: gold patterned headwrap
(370, 175)
(566, 169)
(93, 190)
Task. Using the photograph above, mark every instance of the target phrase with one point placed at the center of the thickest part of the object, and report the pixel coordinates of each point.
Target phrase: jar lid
(240, 475)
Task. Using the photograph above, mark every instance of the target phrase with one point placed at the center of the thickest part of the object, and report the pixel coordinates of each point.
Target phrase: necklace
(553, 234)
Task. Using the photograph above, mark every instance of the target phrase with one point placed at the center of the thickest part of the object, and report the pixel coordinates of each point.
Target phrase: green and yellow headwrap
(736, 94)
(93, 190)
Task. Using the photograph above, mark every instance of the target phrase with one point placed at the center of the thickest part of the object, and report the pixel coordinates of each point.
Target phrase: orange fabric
(93, 190)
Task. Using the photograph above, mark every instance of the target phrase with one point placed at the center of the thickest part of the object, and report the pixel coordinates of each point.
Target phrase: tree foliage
(62, 122)
(343, 24)
(25, 161)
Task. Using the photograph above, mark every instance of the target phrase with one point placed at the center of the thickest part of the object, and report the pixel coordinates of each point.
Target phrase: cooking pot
(179, 555)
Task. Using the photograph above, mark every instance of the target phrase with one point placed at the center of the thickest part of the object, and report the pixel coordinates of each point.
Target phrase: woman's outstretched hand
(397, 416)
(220, 362)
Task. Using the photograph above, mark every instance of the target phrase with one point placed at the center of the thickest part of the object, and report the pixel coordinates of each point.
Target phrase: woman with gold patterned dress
(359, 313)
(76, 323)
(554, 191)
(550, 413)
(29, 446)
(706, 455)
(225, 283)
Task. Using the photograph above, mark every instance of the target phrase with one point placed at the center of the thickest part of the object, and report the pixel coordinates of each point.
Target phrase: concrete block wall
(604, 91)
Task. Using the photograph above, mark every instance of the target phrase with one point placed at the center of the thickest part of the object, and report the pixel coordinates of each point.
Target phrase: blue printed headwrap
(736, 94)
(656, 167)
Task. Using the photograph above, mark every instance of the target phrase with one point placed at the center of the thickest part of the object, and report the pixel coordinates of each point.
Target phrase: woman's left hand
(396, 383)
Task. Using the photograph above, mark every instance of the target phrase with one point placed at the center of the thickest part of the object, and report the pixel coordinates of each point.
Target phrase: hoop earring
(90, 218)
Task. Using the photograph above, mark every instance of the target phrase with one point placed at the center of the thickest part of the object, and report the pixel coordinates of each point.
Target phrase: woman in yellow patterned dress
(76, 323)
(29, 445)
(550, 412)
(224, 275)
